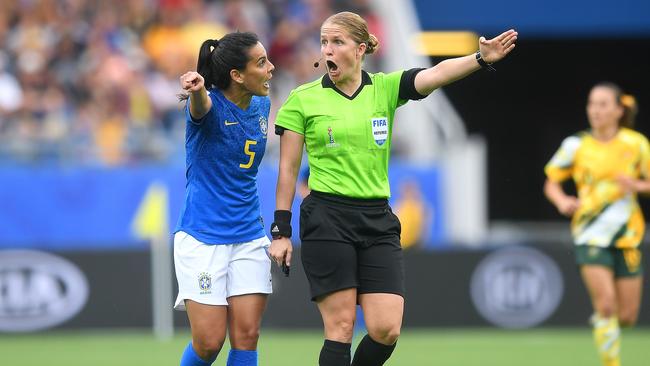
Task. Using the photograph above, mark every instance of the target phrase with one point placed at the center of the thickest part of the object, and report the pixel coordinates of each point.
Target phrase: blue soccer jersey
(224, 150)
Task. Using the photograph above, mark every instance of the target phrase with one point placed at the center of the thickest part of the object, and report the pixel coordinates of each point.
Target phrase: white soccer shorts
(210, 274)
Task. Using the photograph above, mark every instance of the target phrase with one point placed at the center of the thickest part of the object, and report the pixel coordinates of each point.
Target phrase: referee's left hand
(495, 49)
(280, 251)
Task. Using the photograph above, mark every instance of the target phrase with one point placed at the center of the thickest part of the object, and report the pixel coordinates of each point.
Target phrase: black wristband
(281, 226)
(482, 62)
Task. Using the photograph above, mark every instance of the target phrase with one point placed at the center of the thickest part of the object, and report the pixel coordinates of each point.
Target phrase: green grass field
(448, 347)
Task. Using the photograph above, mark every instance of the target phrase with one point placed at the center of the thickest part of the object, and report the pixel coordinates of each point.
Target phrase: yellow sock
(607, 335)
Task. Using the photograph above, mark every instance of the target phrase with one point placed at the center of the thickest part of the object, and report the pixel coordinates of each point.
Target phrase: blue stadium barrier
(88, 208)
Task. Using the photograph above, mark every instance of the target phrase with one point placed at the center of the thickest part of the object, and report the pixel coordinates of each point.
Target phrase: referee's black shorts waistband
(349, 201)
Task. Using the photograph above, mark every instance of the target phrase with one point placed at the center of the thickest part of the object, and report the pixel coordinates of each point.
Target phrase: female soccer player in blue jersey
(220, 247)
(350, 238)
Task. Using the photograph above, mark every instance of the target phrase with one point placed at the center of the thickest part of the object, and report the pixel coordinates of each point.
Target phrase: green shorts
(624, 262)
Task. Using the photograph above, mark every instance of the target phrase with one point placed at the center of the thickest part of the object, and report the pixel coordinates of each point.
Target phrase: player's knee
(245, 339)
(627, 318)
(206, 347)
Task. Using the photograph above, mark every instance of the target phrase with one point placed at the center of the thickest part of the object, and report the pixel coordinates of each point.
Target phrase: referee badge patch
(379, 129)
(330, 134)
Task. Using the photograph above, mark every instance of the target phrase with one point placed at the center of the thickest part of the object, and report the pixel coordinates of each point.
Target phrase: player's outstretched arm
(450, 70)
(200, 103)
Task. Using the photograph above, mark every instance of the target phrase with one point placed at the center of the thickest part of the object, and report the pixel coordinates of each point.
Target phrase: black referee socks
(371, 353)
(334, 354)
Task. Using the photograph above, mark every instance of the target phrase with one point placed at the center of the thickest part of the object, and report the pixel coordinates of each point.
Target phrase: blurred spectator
(95, 82)
(413, 212)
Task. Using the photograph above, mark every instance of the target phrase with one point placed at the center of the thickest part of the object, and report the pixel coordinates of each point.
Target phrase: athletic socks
(371, 353)
(607, 336)
(190, 358)
(238, 357)
(334, 354)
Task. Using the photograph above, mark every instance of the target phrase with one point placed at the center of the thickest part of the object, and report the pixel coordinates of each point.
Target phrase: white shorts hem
(250, 291)
(180, 302)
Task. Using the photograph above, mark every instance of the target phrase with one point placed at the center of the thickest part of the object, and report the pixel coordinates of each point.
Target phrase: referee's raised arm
(450, 70)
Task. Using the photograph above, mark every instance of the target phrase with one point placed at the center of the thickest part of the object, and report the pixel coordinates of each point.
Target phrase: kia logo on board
(38, 290)
(516, 287)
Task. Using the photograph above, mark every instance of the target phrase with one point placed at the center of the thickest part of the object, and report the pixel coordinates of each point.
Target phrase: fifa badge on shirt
(330, 133)
(379, 129)
(264, 125)
(205, 283)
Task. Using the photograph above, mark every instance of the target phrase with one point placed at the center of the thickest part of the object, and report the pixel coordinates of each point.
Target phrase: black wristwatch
(481, 61)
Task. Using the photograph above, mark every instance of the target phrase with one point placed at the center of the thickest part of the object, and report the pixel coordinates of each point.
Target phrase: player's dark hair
(228, 53)
(218, 57)
(627, 101)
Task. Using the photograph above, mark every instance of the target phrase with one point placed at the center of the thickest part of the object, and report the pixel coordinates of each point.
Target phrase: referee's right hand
(280, 251)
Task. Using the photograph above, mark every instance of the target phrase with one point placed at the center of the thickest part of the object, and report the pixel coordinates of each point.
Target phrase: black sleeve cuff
(407, 85)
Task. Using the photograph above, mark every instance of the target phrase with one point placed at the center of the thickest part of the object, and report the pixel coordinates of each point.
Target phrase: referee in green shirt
(350, 238)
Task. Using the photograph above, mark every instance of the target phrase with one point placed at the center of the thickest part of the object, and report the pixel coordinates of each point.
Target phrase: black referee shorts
(350, 243)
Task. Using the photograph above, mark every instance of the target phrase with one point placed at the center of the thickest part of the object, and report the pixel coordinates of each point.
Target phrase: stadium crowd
(95, 81)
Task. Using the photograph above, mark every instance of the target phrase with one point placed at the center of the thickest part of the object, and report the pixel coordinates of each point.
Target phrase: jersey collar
(326, 82)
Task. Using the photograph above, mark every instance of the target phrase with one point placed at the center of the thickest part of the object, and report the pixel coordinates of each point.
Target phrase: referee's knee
(344, 329)
(386, 335)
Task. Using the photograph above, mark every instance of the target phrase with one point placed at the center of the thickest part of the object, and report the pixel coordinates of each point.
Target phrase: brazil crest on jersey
(224, 150)
(607, 216)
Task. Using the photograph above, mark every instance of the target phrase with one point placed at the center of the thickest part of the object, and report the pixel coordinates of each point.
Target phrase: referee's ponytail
(372, 44)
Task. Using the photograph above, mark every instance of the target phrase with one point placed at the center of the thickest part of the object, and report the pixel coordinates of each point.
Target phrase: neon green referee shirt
(347, 138)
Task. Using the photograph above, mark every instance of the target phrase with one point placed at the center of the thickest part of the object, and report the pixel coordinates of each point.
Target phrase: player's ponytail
(630, 108)
(204, 64)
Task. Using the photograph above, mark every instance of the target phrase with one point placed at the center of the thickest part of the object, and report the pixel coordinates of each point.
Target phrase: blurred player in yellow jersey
(610, 164)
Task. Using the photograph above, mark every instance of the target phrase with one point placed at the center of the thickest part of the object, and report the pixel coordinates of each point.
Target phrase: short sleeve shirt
(607, 216)
(223, 152)
(347, 138)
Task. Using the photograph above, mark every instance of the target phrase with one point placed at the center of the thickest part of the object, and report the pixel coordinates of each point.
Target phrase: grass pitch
(448, 347)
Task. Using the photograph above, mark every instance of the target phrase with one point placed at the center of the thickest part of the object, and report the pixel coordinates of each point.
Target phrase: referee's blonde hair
(357, 27)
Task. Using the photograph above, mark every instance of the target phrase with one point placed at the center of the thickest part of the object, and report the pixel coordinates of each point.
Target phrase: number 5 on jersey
(251, 154)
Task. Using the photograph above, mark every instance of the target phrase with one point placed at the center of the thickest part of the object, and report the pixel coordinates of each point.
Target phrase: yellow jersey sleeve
(560, 167)
(644, 158)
